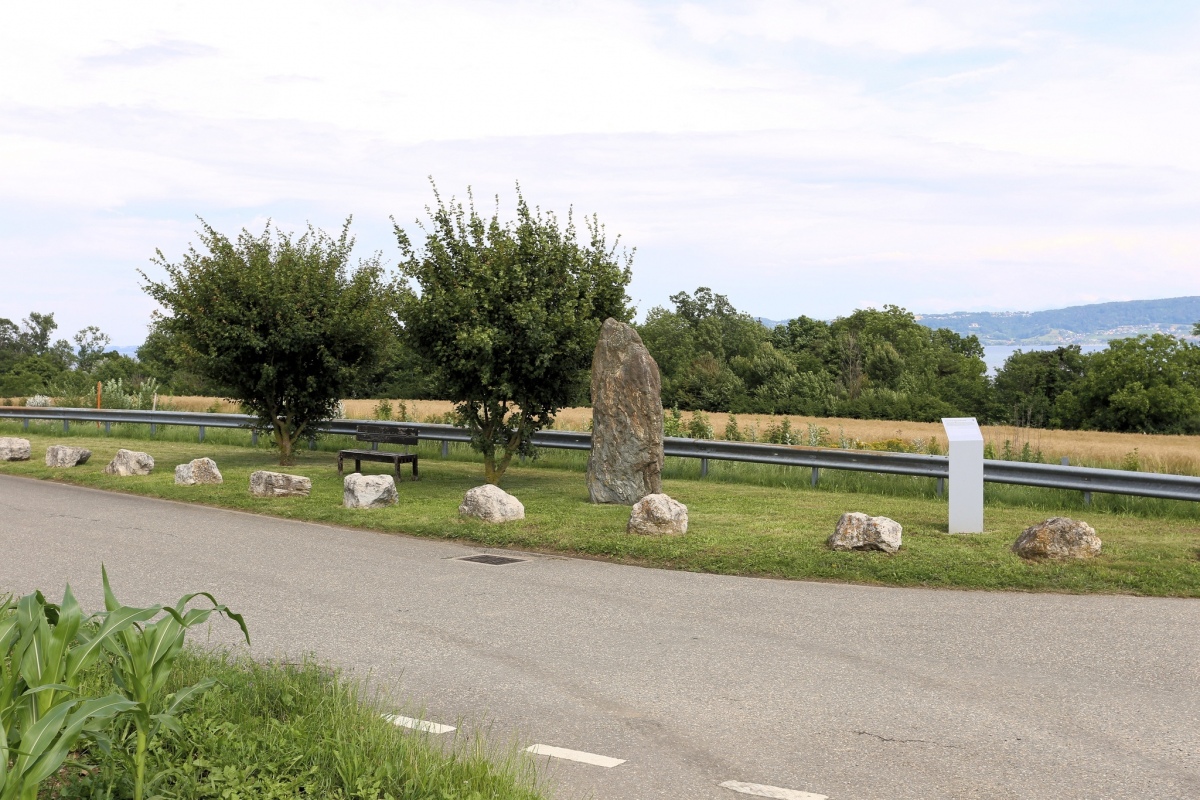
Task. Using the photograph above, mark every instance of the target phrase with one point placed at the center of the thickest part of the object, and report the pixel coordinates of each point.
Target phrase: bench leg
(415, 470)
(339, 465)
(358, 466)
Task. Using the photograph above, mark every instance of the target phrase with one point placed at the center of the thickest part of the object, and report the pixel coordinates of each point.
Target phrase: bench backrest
(386, 434)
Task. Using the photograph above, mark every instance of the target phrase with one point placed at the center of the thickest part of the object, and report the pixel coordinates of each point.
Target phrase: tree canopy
(505, 316)
(277, 322)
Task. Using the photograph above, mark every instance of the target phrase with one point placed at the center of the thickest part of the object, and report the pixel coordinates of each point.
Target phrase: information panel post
(966, 474)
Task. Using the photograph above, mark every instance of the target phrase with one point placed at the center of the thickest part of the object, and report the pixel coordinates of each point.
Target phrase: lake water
(994, 355)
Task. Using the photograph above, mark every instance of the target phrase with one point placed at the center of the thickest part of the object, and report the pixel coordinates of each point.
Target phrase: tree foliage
(278, 322)
(505, 316)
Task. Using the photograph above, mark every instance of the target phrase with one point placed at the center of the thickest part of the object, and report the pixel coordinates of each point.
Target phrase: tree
(507, 316)
(277, 322)
(1029, 384)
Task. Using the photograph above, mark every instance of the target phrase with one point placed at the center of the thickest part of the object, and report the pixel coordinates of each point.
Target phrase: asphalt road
(851, 692)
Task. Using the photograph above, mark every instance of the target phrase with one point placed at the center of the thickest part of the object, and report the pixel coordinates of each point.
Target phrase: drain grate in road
(495, 561)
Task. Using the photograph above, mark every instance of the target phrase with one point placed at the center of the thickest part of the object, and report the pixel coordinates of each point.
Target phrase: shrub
(699, 427)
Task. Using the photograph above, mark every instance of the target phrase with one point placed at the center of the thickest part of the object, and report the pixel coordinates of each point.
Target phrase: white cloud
(795, 156)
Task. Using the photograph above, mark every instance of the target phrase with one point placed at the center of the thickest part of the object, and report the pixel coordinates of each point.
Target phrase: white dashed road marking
(759, 790)
(573, 755)
(418, 724)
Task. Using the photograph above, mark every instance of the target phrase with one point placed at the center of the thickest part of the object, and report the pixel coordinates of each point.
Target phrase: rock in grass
(626, 460)
(278, 484)
(62, 455)
(13, 449)
(656, 515)
(130, 462)
(1058, 537)
(369, 491)
(199, 470)
(857, 531)
(491, 504)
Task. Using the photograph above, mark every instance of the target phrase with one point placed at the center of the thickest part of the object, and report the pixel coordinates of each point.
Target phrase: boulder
(62, 455)
(278, 484)
(626, 460)
(198, 470)
(13, 449)
(1058, 537)
(369, 491)
(130, 462)
(491, 504)
(857, 531)
(657, 514)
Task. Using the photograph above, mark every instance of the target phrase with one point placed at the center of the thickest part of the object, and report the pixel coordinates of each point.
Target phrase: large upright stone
(369, 491)
(264, 483)
(627, 419)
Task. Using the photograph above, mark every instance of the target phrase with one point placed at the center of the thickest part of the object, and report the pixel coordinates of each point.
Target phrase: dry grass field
(1173, 454)
(1178, 455)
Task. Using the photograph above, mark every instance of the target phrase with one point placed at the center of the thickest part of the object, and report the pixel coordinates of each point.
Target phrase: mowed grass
(735, 527)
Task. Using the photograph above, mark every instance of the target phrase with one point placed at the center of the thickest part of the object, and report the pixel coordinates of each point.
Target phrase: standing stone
(857, 531)
(198, 470)
(279, 484)
(1058, 537)
(369, 491)
(61, 455)
(658, 514)
(13, 449)
(491, 504)
(130, 462)
(626, 460)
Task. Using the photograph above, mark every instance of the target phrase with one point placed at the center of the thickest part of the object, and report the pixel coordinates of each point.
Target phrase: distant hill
(1090, 324)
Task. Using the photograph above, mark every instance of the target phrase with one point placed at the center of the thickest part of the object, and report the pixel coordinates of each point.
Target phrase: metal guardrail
(1047, 476)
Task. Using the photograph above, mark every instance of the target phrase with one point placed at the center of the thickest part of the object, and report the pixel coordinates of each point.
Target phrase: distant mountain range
(1091, 324)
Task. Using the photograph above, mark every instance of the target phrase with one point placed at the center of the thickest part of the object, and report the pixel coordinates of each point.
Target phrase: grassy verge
(737, 525)
(292, 730)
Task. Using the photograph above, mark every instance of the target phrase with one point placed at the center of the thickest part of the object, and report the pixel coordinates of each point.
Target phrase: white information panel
(966, 474)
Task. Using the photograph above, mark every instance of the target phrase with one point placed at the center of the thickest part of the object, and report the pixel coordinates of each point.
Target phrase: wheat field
(1154, 453)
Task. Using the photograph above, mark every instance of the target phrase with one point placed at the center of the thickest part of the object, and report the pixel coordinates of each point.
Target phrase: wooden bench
(385, 434)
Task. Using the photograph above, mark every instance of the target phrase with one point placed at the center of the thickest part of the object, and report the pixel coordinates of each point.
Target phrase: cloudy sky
(800, 157)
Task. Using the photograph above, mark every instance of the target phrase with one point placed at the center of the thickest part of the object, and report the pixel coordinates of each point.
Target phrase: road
(849, 692)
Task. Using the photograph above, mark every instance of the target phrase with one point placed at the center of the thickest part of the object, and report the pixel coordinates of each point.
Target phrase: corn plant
(143, 658)
(44, 649)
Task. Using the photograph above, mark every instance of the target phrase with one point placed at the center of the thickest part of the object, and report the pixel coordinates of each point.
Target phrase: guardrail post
(107, 428)
(1066, 461)
(312, 443)
(445, 448)
(1087, 498)
(153, 428)
(254, 437)
(941, 487)
(66, 426)
(816, 476)
(374, 445)
(201, 433)
(703, 467)
(26, 421)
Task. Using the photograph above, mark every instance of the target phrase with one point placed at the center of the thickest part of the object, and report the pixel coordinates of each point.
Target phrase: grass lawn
(736, 526)
(272, 730)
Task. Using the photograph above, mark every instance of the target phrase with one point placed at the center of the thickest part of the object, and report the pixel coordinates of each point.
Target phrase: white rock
(62, 455)
(198, 470)
(857, 531)
(657, 514)
(13, 449)
(491, 504)
(369, 491)
(279, 484)
(1058, 537)
(130, 462)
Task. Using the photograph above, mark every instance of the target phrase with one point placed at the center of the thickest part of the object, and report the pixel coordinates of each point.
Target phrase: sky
(799, 157)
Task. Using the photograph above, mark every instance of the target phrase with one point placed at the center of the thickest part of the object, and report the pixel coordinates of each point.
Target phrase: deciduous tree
(506, 316)
(280, 323)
